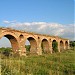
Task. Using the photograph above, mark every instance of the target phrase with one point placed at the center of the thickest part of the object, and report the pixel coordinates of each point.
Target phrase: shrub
(72, 43)
(5, 51)
(55, 46)
(27, 47)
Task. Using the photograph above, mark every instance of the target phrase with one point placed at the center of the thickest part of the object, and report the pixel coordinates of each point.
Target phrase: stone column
(39, 49)
(68, 44)
(15, 45)
(22, 50)
(58, 46)
(64, 45)
(50, 46)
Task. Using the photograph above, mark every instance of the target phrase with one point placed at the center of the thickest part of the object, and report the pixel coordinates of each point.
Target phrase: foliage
(72, 43)
(5, 51)
(51, 64)
(27, 47)
(55, 46)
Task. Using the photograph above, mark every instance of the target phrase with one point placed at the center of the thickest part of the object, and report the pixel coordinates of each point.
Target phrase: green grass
(52, 64)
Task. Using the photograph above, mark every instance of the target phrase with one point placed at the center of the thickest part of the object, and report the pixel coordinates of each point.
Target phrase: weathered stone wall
(18, 38)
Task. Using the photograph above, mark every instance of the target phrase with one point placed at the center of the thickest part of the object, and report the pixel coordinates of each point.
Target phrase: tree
(55, 46)
(72, 43)
(6, 51)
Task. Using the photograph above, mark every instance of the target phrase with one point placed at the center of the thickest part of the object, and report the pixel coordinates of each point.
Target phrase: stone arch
(33, 45)
(66, 45)
(54, 42)
(61, 45)
(13, 40)
(45, 46)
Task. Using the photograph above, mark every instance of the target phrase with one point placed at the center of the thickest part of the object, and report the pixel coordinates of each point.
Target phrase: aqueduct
(18, 38)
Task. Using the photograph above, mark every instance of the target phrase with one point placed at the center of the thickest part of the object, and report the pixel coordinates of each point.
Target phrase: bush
(5, 51)
(55, 46)
(27, 48)
(55, 64)
(72, 43)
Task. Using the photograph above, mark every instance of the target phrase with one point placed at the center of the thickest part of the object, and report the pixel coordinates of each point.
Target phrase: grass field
(52, 64)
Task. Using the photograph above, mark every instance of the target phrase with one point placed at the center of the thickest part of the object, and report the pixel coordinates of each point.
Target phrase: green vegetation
(51, 64)
(27, 48)
(5, 51)
(55, 46)
(72, 44)
(47, 64)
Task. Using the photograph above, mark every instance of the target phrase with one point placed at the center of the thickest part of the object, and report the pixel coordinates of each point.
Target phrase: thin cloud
(65, 31)
(9, 22)
(42, 27)
(6, 22)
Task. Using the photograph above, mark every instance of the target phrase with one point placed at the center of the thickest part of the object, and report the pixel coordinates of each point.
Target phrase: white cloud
(9, 22)
(27, 24)
(6, 22)
(65, 31)
(42, 27)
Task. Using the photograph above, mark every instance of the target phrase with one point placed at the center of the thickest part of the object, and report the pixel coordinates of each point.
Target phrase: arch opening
(66, 45)
(5, 46)
(45, 46)
(27, 46)
(10, 42)
(61, 45)
(21, 37)
(31, 45)
(13, 41)
(54, 46)
(4, 42)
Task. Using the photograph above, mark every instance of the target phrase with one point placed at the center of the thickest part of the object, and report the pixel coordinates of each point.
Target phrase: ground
(47, 64)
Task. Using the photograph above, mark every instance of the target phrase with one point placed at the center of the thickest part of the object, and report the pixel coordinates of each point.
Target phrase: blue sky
(58, 11)
(55, 16)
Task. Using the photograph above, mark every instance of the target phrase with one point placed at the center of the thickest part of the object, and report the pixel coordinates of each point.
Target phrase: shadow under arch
(66, 45)
(61, 45)
(54, 45)
(33, 45)
(45, 46)
(13, 40)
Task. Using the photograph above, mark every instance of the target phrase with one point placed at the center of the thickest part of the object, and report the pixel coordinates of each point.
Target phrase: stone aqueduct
(18, 38)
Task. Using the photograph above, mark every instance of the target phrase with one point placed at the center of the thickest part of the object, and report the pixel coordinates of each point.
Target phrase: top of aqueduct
(32, 33)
